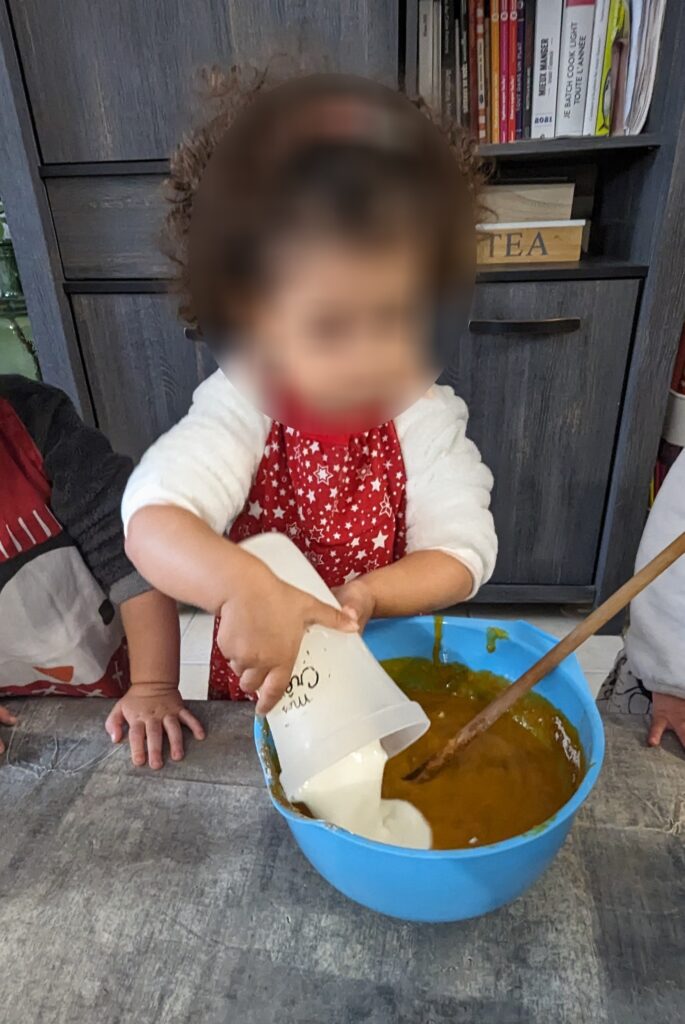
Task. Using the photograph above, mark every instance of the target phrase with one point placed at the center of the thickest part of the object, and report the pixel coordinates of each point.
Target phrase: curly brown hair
(281, 155)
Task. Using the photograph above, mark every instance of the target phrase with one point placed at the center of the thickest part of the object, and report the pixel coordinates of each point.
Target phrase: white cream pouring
(348, 794)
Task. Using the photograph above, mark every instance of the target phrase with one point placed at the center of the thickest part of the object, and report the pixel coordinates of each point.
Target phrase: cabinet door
(110, 226)
(544, 399)
(116, 79)
(141, 368)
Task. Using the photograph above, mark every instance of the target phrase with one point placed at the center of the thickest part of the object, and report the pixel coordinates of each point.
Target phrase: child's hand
(261, 629)
(667, 713)
(6, 718)
(358, 596)
(150, 710)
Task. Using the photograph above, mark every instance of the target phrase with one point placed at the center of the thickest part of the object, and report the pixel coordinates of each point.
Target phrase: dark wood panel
(544, 412)
(521, 593)
(109, 227)
(141, 369)
(33, 232)
(114, 80)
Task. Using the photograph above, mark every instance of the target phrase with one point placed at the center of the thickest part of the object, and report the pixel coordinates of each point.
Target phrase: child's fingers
(192, 723)
(252, 678)
(114, 725)
(154, 743)
(272, 690)
(6, 717)
(657, 729)
(174, 733)
(2, 747)
(136, 740)
(322, 614)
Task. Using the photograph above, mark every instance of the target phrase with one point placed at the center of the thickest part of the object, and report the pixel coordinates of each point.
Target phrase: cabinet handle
(552, 325)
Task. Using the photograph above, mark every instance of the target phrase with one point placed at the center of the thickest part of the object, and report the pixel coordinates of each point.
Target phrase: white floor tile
(599, 653)
(194, 682)
(196, 642)
(595, 680)
(496, 611)
(185, 617)
(550, 618)
(596, 655)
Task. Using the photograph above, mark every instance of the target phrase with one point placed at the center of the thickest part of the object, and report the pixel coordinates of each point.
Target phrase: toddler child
(649, 675)
(319, 228)
(76, 619)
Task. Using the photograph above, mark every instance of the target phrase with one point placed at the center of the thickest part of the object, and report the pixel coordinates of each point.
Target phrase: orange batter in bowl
(507, 781)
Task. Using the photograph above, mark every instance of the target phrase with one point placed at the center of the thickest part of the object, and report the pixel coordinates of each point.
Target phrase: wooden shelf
(589, 268)
(554, 148)
(104, 168)
(536, 148)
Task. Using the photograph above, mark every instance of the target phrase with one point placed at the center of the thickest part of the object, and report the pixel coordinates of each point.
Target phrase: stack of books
(533, 69)
(530, 223)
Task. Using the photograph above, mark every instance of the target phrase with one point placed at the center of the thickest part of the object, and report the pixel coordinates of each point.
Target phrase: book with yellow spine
(617, 30)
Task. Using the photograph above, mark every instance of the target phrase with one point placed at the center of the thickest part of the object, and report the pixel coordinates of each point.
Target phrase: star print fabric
(341, 501)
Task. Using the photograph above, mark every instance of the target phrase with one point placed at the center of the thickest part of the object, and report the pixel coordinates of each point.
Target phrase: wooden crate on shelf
(505, 202)
(554, 241)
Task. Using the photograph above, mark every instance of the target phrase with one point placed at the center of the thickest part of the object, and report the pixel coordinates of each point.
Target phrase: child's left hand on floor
(6, 718)
(668, 712)
(150, 710)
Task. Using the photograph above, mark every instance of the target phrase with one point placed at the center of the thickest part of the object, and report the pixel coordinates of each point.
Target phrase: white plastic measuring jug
(339, 698)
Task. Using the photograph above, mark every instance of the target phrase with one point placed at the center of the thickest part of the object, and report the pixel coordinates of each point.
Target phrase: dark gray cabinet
(117, 79)
(141, 368)
(543, 370)
(110, 226)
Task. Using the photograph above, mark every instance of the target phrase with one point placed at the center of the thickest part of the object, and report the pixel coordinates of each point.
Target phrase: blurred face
(343, 329)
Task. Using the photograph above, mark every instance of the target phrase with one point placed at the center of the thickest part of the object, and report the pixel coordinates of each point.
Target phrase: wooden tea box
(553, 241)
(529, 202)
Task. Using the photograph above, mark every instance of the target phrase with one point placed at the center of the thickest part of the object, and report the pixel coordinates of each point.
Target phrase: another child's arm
(87, 483)
(152, 706)
(451, 541)
(655, 641)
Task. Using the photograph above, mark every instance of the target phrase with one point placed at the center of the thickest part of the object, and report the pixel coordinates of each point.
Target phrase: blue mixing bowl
(449, 885)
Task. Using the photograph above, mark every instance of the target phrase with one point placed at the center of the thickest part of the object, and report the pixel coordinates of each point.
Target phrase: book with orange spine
(494, 70)
(481, 82)
(511, 70)
(503, 68)
(473, 70)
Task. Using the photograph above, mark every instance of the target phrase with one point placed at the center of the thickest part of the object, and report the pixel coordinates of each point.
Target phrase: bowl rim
(577, 681)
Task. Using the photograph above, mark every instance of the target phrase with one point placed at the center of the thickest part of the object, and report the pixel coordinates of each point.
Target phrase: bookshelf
(638, 194)
(589, 268)
(569, 422)
(553, 149)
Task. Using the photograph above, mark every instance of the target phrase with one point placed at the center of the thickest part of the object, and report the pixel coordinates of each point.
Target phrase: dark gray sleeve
(87, 480)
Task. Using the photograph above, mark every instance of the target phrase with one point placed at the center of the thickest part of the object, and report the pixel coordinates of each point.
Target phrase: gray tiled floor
(596, 656)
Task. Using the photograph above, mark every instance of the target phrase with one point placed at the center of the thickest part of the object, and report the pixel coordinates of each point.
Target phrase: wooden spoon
(587, 628)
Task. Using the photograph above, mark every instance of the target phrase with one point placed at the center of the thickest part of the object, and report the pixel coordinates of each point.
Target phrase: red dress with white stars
(341, 500)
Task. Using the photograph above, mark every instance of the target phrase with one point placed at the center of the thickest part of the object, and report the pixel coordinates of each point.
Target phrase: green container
(17, 351)
(10, 285)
